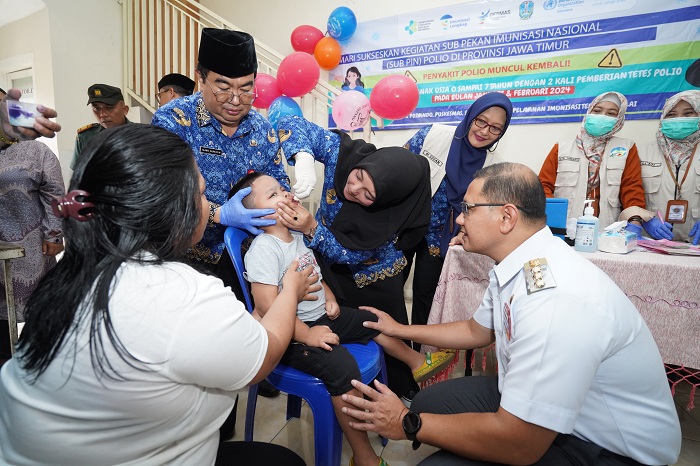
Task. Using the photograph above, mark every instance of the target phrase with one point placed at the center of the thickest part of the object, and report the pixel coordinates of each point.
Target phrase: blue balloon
(280, 107)
(342, 23)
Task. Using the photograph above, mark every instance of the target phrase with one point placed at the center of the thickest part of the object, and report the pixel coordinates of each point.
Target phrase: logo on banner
(549, 4)
(412, 27)
(445, 21)
(526, 9)
(483, 16)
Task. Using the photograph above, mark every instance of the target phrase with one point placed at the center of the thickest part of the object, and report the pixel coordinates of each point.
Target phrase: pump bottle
(587, 229)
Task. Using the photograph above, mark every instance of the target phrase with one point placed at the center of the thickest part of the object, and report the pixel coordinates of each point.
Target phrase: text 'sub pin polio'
(538, 275)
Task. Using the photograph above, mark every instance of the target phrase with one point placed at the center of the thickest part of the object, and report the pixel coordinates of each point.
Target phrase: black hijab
(402, 203)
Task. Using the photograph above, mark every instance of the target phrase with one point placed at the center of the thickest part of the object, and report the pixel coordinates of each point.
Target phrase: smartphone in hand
(22, 113)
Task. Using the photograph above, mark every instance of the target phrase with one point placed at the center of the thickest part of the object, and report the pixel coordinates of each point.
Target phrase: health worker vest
(659, 187)
(572, 178)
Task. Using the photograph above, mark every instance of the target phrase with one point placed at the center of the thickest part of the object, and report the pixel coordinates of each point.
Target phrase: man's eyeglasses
(161, 92)
(481, 123)
(244, 98)
(467, 206)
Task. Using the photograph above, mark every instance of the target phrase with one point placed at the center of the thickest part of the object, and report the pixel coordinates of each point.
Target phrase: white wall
(273, 21)
(86, 48)
(16, 42)
(75, 43)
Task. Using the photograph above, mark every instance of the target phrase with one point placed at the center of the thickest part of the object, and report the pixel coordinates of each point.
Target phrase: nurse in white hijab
(597, 165)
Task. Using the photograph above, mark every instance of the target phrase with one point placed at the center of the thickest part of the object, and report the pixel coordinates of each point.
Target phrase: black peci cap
(229, 53)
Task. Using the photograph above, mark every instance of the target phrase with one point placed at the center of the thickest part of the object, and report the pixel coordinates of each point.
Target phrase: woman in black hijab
(375, 203)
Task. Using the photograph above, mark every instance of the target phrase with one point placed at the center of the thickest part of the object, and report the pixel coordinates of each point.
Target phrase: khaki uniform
(85, 134)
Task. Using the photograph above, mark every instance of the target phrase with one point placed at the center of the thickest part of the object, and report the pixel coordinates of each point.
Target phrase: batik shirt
(298, 135)
(439, 204)
(222, 159)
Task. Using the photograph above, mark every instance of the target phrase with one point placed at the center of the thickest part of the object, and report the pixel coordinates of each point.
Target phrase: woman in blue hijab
(454, 155)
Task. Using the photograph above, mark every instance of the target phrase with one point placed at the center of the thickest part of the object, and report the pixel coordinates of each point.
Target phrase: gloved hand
(658, 229)
(695, 233)
(234, 214)
(634, 228)
(305, 173)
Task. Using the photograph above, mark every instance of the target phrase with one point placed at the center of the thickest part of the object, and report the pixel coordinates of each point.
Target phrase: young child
(321, 325)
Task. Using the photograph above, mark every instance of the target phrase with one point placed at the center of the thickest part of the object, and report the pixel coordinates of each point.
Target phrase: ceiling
(12, 10)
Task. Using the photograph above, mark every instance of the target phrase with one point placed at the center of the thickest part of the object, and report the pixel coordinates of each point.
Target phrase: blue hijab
(464, 160)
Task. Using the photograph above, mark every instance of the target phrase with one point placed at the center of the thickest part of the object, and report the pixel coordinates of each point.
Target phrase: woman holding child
(128, 355)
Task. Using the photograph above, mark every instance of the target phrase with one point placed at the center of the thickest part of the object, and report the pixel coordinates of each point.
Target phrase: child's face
(267, 192)
(352, 76)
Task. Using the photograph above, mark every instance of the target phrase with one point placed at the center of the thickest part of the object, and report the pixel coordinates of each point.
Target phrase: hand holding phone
(22, 113)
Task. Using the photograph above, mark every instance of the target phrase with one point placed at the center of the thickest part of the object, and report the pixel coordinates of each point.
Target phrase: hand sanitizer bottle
(587, 229)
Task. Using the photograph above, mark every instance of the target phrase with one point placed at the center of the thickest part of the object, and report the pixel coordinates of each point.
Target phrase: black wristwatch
(411, 425)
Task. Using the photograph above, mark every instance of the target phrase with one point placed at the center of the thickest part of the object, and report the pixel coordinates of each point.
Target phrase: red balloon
(298, 74)
(304, 38)
(394, 97)
(327, 53)
(266, 87)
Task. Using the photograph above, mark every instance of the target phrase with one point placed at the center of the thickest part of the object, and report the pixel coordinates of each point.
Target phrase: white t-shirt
(201, 344)
(578, 357)
(268, 259)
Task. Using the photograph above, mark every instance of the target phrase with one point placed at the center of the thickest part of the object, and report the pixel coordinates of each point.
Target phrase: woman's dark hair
(359, 76)
(144, 184)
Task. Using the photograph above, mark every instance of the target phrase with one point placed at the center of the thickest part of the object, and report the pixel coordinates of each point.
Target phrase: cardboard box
(617, 241)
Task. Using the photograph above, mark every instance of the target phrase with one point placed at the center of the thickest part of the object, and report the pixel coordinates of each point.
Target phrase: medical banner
(551, 57)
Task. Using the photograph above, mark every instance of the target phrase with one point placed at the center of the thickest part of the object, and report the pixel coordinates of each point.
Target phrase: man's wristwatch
(411, 425)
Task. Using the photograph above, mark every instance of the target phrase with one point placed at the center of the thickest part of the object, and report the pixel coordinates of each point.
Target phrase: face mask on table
(598, 125)
(679, 128)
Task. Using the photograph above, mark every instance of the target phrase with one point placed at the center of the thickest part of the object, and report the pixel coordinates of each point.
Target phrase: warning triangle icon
(611, 60)
(408, 74)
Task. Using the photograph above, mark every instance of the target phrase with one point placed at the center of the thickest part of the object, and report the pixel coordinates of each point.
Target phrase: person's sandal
(434, 363)
(381, 461)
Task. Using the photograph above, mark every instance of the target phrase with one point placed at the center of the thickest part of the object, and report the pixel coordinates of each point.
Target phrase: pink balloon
(298, 74)
(351, 110)
(394, 97)
(266, 87)
(304, 38)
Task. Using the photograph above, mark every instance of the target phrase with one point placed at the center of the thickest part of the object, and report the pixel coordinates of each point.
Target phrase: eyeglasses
(467, 206)
(244, 98)
(481, 123)
(162, 92)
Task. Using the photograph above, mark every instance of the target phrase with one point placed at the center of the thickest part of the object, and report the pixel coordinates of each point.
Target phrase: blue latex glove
(695, 233)
(234, 214)
(658, 229)
(634, 228)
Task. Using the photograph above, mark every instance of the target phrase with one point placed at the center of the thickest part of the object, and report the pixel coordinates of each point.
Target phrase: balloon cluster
(394, 97)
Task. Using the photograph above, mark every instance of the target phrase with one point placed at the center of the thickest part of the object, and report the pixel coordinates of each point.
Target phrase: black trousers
(386, 295)
(425, 279)
(257, 453)
(480, 395)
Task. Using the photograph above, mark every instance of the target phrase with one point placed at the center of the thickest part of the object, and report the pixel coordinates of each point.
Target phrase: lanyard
(674, 176)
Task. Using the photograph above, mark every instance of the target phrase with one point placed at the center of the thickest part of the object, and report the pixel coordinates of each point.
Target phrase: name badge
(209, 150)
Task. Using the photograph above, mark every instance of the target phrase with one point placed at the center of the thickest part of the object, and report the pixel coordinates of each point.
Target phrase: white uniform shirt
(202, 346)
(578, 358)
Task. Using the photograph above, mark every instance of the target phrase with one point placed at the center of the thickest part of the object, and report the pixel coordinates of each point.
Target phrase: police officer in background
(173, 86)
(110, 111)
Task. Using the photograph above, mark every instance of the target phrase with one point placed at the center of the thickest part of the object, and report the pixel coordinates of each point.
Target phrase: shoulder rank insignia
(87, 127)
(538, 275)
(181, 119)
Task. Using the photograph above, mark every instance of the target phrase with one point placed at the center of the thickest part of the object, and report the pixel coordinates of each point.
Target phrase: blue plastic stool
(328, 437)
